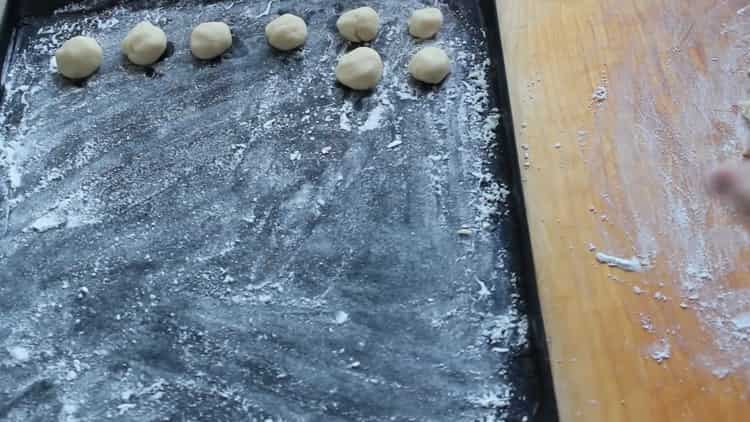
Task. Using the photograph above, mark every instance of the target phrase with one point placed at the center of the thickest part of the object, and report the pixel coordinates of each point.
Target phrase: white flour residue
(344, 122)
(646, 323)
(107, 23)
(493, 399)
(11, 157)
(341, 317)
(491, 193)
(600, 94)
(742, 321)
(46, 222)
(19, 353)
(660, 351)
(506, 332)
(72, 8)
(633, 264)
(483, 292)
(15, 153)
(267, 11)
(376, 115)
(394, 144)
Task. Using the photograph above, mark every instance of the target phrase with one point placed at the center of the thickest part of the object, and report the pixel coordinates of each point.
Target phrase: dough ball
(359, 25)
(360, 69)
(286, 32)
(430, 65)
(79, 57)
(425, 23)
(144, 44)
(210, 39)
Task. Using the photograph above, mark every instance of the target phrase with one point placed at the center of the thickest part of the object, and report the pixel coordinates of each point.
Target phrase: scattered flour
(19, 353)
(378, 114)
(660, 297)
(497, 399)
(394, 144)
(341, 317)
(600, 94)
(47, 222)
(267, 10)
(484, 292)
(742, 321)
(646, 323)
(344, 122)
(660, 351)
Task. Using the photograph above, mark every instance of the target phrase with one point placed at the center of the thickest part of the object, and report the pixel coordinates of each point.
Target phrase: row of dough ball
(288, 31)
(360, 69)
(80, 56)
(362, 24)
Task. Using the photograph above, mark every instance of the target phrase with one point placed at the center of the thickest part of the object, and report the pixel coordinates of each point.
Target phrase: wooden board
(625, 174)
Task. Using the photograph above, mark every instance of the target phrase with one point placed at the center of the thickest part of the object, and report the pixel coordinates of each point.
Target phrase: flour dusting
(252, 240)
(660, 351)
(696, 239)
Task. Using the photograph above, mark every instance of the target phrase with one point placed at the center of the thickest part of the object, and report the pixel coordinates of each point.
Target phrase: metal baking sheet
(246, 240)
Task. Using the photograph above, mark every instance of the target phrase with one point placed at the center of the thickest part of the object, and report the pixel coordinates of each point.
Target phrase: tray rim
(505, 133)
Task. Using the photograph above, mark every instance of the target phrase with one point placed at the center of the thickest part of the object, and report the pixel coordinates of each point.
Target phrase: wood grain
(627, 177)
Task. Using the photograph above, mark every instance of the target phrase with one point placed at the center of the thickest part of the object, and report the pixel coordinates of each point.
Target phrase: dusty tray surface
(246, 239)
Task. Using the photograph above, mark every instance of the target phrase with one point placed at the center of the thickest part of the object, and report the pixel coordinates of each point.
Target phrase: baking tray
(244, 239)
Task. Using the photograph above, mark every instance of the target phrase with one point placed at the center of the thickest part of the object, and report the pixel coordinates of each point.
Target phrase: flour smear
(673, 147)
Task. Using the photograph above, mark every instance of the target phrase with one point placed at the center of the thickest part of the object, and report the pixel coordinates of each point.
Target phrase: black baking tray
(244, 239)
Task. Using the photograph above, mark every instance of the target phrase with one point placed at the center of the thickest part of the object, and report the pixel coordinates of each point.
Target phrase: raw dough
(79, 57)
(430, 65)
(286, 32)
(425, 23)
(144, 44)
(359, 25)
(210, 39)
(360, 69)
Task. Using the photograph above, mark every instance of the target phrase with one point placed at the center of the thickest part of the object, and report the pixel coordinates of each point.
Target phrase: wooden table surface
(624, 173)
